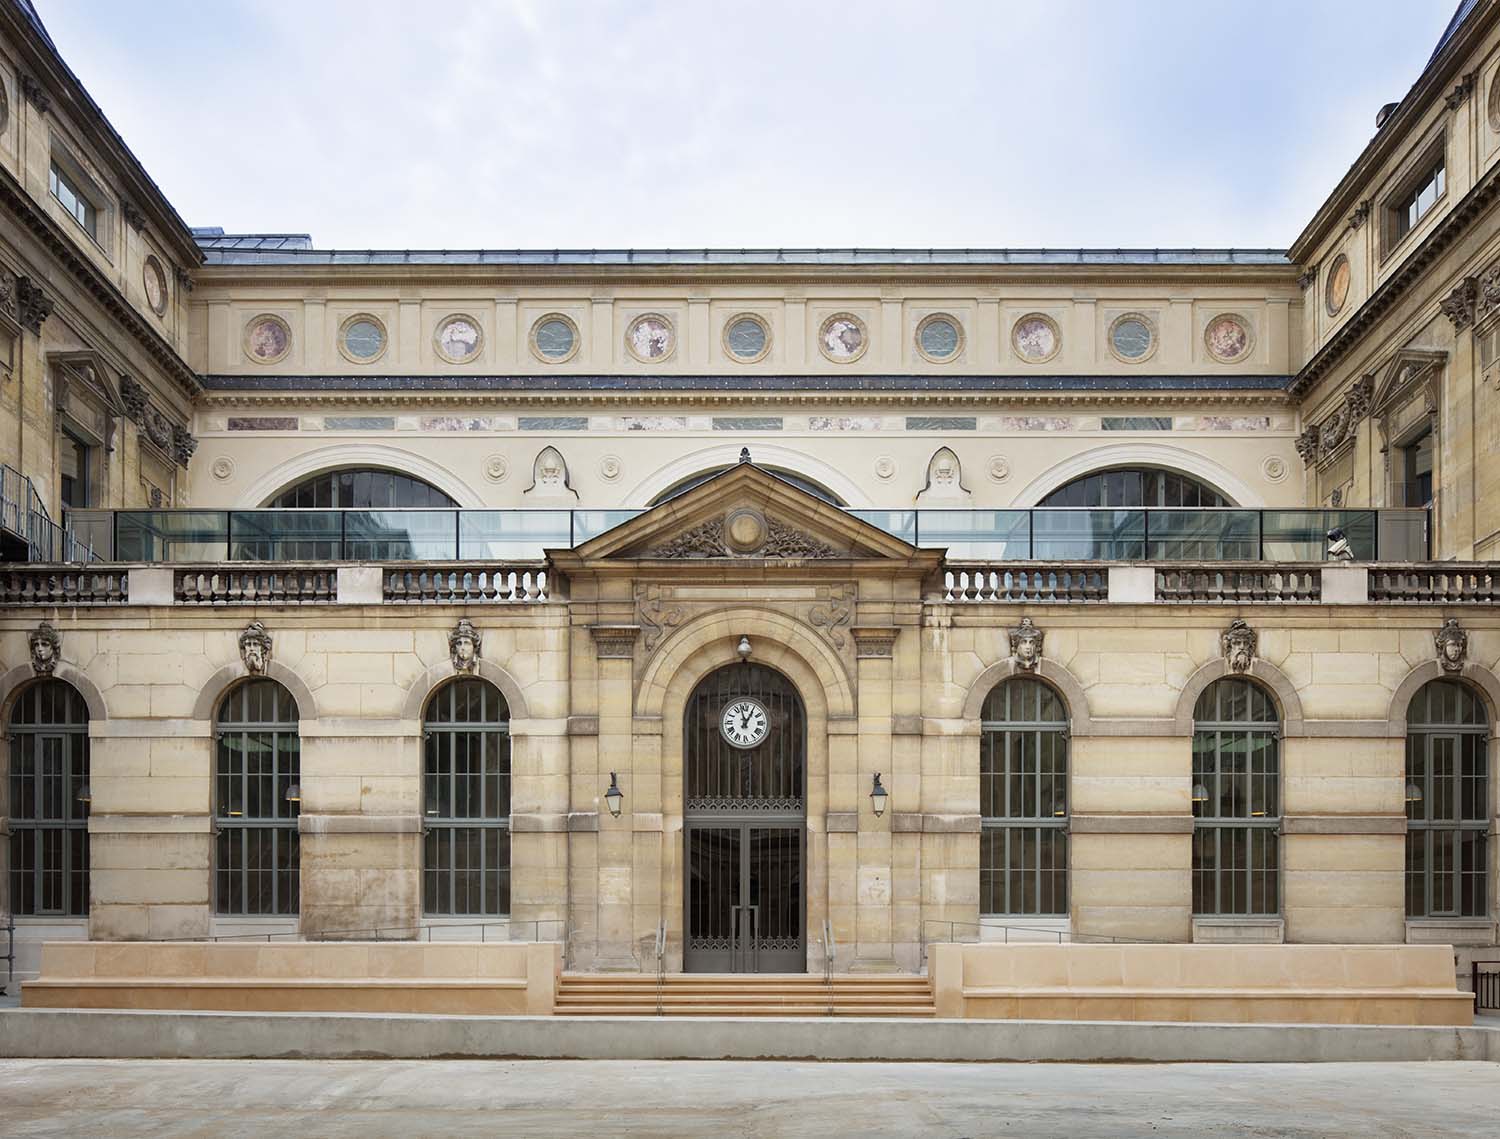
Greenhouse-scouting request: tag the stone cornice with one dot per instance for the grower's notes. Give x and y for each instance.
(18, 204)
(1411, 272)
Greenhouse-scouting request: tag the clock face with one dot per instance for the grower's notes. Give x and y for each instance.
(744, 722)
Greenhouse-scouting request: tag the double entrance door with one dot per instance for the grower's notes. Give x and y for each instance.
(744, 824)
(744, 896)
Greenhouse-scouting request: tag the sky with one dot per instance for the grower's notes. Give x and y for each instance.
(607, 123)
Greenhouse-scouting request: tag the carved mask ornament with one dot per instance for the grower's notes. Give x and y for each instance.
(255, 648)
(1026, 644)
(463, 647)
(1239, 643)
(46, 646)
(1452, 645)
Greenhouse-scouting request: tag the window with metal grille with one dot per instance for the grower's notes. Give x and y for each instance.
(49, 801)
(1447, 802)
(257, 796)
(466, 801)
(1023, 796)
(1236, 801)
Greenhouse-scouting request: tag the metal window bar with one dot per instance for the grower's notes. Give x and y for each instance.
(1447, 828)
(1237, 827)
(466, 801)
(257, 848)
(49, 768)
(1024, 802)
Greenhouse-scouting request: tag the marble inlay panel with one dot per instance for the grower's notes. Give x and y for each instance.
(941, 423)
(461, 423)
(747, 423)
(1035, 423)
(1234, 423)
(843, 423)
(1136, 423)
(554, 423)
(263, 423)
(653, 422)
(359, 423)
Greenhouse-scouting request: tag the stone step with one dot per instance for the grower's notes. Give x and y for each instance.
(808, 1010)
(739, 994)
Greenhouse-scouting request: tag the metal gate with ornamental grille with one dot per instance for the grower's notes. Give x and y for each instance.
(745, 823)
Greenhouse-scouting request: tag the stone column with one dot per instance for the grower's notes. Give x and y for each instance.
(614, 645)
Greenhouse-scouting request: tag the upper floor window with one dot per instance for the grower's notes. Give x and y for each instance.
(66, 190)
(1412, 207)
(361, 490)
(1133, 488)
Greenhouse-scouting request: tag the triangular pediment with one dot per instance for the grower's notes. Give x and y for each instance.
(1404, 373)
(745, 514)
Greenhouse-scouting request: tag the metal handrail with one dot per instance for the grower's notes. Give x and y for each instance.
(661, 963)
(1485, 984)
(10, 954)
(830, 952)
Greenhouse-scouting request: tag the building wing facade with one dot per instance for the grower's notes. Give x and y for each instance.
(767, 604)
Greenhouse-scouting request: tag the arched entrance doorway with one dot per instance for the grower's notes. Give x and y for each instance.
(744, 742)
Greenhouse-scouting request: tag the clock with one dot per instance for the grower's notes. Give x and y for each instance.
(744, 722)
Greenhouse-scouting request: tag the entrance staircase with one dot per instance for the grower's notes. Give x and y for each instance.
(743, 994)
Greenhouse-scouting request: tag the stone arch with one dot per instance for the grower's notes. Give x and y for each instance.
(206, 707)
(1140, 453)
(14, 680)
(398, 459)
(1481, 679)
(415, 700)
(709, 640)
(1066, 684)
(1288, 703)
(763, 454)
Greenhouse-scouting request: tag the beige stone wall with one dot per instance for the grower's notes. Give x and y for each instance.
(1128, 673)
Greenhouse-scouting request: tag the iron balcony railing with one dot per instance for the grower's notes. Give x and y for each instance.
(1055, 535)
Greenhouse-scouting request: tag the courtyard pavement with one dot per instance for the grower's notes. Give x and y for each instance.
(368, 1098)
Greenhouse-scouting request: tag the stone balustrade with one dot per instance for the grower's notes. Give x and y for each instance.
(962, 583)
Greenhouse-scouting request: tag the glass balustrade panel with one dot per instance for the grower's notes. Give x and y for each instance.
(284, 536)
(1203, 535)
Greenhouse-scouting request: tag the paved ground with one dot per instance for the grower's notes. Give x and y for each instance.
(368, 1098)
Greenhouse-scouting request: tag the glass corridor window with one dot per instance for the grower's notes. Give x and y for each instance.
(1236, 801)
(257, 797)
(1023, 796)
(466, 801)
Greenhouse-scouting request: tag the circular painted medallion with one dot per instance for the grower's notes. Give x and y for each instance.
(1227, 339)
(362, 339)
(650, 338)
(744, 722)
(458, 339)
(939, 339)
(154, 278)
(843, 338)
(1035, 338)
(267, 339)
(1336, 292)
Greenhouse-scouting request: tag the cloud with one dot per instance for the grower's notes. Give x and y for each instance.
(552, 123)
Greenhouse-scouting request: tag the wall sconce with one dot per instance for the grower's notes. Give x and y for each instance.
(294, 793)
(1413, 792)
(878, 797)
(614, 796)
(743, 648)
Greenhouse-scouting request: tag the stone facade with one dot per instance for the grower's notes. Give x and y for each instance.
(511, 387)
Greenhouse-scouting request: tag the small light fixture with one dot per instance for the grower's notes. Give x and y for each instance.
(1200, 793)
(294, 793)
(85, 794)
(614, 796)
(1413, 792)
(1338, 546)
(743, 648)
(878, 796)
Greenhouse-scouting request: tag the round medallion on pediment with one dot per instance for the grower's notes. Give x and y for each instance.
(745, 530)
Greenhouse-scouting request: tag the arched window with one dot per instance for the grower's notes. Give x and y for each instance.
(1023, 796)
(466, 800)
(817, 490)
(361, 489)
(49, 801)
(1447, 802)
(257, 796)
(1133, 488)
(1236, 800)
